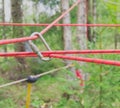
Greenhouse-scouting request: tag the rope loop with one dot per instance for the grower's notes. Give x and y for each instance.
(35, 48)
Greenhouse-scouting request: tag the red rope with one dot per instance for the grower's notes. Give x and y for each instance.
(91, 60)
(80, 77)
(31, 24)
(9, 41)
(53, 54)
(47, 53)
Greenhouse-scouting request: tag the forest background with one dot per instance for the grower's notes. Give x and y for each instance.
(61, 89)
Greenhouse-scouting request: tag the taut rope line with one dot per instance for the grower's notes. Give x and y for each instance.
(37, 24)
(9, 41)
(36, 76)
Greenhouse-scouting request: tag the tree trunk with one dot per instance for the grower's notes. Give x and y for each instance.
(92, 14)
(67, 30)
(3, 20)
(89, 11)
(94, 19)
(82, 31)
(117, 34)
(16, 13)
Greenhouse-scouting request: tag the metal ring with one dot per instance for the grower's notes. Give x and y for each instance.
(35, 49)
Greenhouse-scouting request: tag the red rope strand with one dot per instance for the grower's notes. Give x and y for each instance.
(32, 24)
(46, 53)
(90, 60)
(53, 54)
(9, 41)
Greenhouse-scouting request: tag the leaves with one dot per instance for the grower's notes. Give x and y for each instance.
(50, 3)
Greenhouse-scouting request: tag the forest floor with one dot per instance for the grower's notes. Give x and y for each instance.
(53, 91)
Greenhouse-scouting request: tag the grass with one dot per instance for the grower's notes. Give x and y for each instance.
(48, 89)
(56, 91)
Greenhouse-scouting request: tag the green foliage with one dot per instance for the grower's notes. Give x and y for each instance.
(43, 66)
(103, 85)
(8, 103)
(50, 3)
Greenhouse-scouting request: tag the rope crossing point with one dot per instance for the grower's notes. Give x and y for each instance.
(55, 54)
(32, 79)
(16, 40)
(98, 61)
(45, 53)
(59, 55)
(35, 76)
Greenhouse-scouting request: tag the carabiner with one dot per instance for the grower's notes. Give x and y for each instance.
(35, 49)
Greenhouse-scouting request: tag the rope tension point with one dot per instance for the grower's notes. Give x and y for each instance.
(31, 79)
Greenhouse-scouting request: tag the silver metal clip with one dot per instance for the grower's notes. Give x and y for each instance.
(35, 48)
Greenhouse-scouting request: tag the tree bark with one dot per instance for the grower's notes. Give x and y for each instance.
(3, 20)
(94, 19)
(117, 34)
(16, 13)
(67, 30)
(92, 14)
(82, 31)
(89, 36)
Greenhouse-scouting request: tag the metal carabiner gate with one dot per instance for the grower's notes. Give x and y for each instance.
(34, 47)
